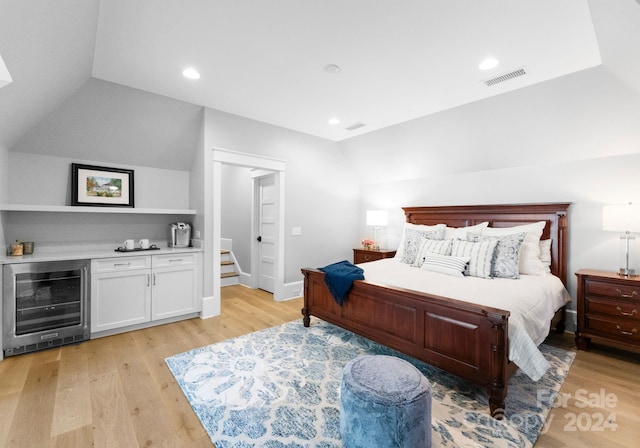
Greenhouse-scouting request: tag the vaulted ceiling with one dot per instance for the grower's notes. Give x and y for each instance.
(266, 60)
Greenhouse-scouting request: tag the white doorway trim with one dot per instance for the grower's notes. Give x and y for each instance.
(278, 167)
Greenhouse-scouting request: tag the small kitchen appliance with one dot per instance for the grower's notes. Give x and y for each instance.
(179, 234)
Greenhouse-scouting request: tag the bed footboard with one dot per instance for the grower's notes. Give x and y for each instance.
(465, 339)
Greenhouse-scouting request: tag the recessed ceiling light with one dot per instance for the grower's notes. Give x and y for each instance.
(191, 73)
(488, 64)
(334, 121)
(331, 68)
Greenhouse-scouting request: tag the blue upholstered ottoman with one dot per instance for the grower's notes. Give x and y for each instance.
(384, 402)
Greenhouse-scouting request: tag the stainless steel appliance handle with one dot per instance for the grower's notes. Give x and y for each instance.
(85, 299)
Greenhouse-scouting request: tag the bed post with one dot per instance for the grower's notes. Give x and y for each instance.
(497, 387)
(562, 246)
(306, 320)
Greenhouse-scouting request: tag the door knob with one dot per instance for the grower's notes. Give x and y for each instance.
(259, 239)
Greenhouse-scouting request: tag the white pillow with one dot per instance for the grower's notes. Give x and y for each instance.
(440, 247)
(480, 254)
(461, 232)
(545, 254)
(530, 250)
(445, 264)
(411, 228)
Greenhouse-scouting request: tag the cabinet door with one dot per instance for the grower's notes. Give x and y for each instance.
(174, 292)
(119, 299)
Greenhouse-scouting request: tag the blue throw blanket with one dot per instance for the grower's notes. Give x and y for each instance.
(339, 277)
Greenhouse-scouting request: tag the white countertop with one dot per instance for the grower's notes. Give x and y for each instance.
(87, 252)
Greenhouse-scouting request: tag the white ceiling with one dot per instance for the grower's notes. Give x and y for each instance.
(399, 59)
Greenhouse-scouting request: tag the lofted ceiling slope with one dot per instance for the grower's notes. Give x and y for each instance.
(48, 48)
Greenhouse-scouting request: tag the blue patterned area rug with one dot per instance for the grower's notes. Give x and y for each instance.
(280, 388)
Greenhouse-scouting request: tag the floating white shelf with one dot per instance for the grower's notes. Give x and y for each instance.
(70, 209)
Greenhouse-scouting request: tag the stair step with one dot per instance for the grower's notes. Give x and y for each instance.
(224, 251)
(226, 262)
(229, 274)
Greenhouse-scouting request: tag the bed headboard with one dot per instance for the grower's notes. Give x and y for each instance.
(554, 214)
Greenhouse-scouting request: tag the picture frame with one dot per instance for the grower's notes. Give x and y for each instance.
(101, 186)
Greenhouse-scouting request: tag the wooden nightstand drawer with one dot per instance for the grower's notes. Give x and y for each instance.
(622, 330)
(612, 307)
(364, 256)
(612, 289)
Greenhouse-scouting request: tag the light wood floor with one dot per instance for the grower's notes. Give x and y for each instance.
(117, 391)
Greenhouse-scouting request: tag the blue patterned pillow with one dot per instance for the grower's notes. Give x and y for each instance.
(480, 254)
(507, 256)
(413, 240)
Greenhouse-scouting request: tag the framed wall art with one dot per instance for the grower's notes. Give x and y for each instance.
(101, 186)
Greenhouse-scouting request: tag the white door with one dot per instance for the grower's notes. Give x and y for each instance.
(267, 215)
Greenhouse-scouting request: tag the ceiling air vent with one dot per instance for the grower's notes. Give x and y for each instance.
(355, 126)
(505, 77)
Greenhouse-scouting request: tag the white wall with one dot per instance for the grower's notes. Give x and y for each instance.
(45, 180)
(197, 184)
(4, 173)
(38, 179)
(321, 195)
(4, 187)
(589, 246)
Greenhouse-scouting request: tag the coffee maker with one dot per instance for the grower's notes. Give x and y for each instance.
(179, 234)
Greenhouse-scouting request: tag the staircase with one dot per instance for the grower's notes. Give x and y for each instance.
(228, 274)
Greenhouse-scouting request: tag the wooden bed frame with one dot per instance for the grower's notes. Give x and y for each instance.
(465, 339)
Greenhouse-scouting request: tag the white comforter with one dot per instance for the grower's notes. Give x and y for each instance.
(532, 301)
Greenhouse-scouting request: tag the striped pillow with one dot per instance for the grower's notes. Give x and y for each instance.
(441, 247)
(445, 264)
(480, 254)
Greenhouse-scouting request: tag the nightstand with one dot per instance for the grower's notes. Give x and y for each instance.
(608, 309)
(363, 255)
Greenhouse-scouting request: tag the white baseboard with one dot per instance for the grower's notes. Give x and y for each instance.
(210, 307)
(572, 321)
(292, 290)
(246, 280)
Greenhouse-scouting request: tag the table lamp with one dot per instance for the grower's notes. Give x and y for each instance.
(377, 218)
(626, 219)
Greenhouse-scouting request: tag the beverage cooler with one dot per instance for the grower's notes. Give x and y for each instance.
(45, 305)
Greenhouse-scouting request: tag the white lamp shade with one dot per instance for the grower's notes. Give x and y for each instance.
(377, 217)
(621, 218)
(5, 77)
